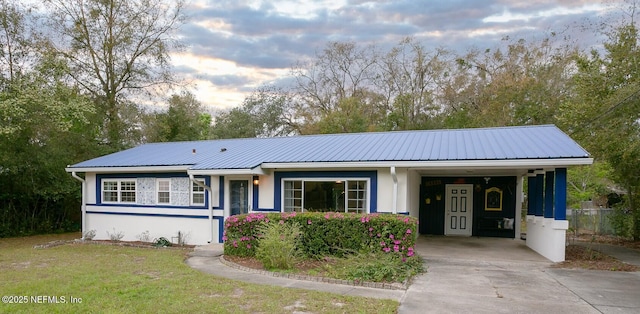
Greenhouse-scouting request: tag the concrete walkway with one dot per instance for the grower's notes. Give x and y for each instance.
(474, 275)
(207, 259)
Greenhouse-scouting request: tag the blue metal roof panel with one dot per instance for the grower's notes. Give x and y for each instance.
(525, 142)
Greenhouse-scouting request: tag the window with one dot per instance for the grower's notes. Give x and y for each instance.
(197, 193)
(357, 197)
(164, 191)
(119, 191)
(293, 196)
(110, 191)
(325, 195)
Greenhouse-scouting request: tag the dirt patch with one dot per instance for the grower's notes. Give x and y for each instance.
(606, 239)
(307, 266)
(585, 258)
(138, 244)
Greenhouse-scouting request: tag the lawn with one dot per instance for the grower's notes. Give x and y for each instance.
(114, 279)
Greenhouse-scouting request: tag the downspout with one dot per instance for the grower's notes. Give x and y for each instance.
(394, 206)
(83, 207)
(208, 188)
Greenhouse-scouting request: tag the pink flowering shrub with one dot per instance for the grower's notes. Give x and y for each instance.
(329, 234)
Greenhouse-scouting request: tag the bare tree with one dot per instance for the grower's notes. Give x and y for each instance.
(116, 49)
(410, 79)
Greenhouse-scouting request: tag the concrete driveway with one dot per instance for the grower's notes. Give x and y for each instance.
(494, 275)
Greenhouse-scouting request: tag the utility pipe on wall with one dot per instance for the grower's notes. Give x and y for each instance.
(394, 205)
(83, 207)
(208, 188)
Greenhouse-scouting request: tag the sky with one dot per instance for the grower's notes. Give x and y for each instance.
(234, 47)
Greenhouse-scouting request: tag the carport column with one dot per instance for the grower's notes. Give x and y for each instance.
(546, 235)
(519, 201)
(539, 193)
(561, 194)
(548, 195)
(531, 192)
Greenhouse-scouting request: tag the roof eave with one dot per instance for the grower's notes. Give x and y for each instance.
(131, 169)
(441, 164)
(236, 171)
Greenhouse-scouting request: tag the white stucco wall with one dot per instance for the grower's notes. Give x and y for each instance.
(385, 188)
(195, 230)
(265, 192)
(547, 236)
(90, 181)
(413, 193)
(215, 187)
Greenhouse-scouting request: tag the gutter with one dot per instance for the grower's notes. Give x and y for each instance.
(84, 202)
(208, 188)
(394, 205)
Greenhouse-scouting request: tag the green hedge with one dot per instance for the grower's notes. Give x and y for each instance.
(328, 234)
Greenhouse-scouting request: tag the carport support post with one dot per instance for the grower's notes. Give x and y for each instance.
(547, 235)
(548, 195)
(531, 194)
(561, 194)
(539, 193)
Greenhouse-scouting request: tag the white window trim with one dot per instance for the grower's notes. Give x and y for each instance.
(192, 193)
(158, 191)
(119, 191)
(326, 179)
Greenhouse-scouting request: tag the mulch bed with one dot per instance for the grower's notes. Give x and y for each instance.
(303, 267)
(585, 258)
(629, 243)
(138, 244)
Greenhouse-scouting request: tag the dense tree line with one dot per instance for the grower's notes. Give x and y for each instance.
(80, 95)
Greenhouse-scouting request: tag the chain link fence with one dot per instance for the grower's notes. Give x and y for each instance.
(591, 221)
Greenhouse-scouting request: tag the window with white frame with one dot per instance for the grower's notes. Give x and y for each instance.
(293, 196)
(119, 191)
(349, 195)
(164, 191)
(357, 196)
(197, 193)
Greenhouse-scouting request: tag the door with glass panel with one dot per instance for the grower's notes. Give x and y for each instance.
(239, 190)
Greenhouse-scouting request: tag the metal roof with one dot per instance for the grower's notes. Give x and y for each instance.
(503, 143)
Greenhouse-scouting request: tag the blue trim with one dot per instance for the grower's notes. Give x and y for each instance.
(539, 194)
(531, 195)
(150, 215)
(561, 194)
(220, 229)
(220, 193)
(548, 194)
(100, 177)
(372, 175)
(146, 206)
(255, 189)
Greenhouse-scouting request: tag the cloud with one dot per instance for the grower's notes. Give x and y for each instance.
(239, 45)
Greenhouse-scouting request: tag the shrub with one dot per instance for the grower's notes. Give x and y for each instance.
(327, 234)
(161, 242)
(622, 221)
(144, 236)
(378, 267)
(278, 244)
(116, 235)
(89, 235)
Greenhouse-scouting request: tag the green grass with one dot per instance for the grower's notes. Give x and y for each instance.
(115, 279)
